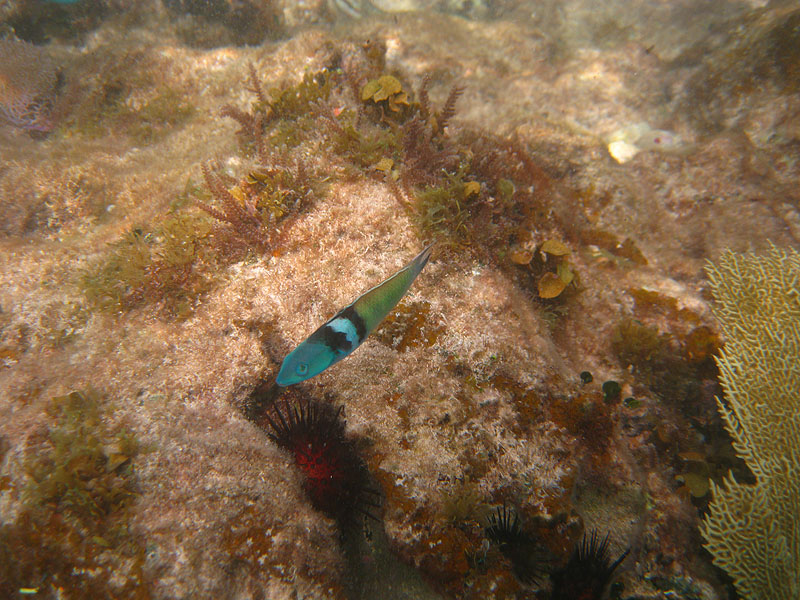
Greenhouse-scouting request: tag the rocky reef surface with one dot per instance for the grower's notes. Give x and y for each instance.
(218, 185)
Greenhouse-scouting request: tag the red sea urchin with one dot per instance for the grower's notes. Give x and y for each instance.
(588, 571)
(336, 478)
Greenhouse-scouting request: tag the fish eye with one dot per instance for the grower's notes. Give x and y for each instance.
(302, 369)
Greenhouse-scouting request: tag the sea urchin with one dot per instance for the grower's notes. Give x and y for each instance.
(336, 478)
(587, 572)
(528, 560)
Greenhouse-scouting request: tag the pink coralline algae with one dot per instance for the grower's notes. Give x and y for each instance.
(29, 86)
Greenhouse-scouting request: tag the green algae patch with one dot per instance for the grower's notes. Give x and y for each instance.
(364, 147)
(72, 531)
(295, 101)
(168, 265)
(82, 470)
(639, 345)
(468, 189)
(126, 97)
(288, 111)
(167, 110)
(445, 209)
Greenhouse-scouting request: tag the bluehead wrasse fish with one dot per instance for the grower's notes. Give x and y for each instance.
(345, 331)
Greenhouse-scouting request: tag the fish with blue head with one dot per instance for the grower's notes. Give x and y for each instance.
(345, 331)
(30, 85)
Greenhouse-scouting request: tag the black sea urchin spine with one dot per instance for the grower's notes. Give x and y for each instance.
(503, 528)
(588, 571)
(528, 560)
(336, 478)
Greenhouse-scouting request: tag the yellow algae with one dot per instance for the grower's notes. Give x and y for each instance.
(551, 285)
(555, 248)
(380, 89)
(471, 187)
(521, 256)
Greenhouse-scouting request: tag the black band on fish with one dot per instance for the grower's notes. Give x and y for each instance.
(356, 319)
(335, 340)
